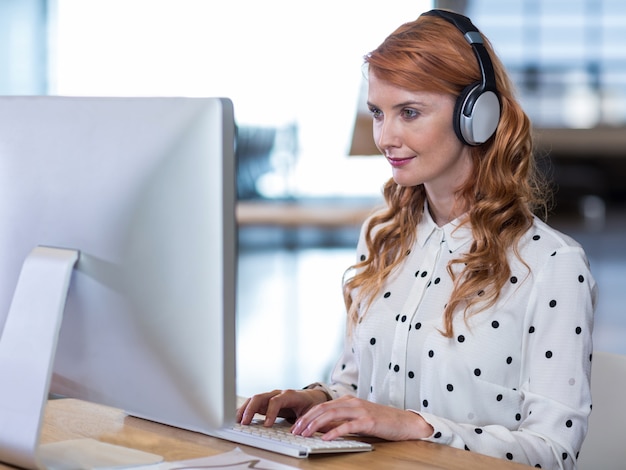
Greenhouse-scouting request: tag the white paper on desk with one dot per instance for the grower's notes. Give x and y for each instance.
(233, 460)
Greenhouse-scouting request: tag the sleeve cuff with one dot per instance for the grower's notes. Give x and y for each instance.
(320, 386)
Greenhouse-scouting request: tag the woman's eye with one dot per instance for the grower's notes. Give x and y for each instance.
(375, 112)
(409, 113)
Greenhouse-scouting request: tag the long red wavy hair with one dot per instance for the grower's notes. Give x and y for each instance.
(503, 192)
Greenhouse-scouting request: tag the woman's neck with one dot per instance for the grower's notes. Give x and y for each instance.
(445, 211)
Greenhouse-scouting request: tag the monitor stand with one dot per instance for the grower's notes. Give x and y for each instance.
(27, 349)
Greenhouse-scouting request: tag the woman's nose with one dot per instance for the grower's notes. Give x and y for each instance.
(386, 135)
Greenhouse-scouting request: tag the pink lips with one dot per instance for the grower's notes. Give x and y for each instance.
(398, 162)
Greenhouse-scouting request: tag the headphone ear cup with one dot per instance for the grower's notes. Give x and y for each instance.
(476, 115)
(459, 107)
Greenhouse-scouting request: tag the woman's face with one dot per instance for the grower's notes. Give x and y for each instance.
(414, 131)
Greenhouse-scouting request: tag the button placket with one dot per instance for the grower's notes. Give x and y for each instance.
(398, 359)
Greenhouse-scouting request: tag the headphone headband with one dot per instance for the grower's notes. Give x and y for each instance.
(478, 106)
(474, 39)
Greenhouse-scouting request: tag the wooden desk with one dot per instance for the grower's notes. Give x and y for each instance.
(70, 419)
(301, 214)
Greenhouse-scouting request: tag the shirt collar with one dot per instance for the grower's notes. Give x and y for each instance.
(455, 233)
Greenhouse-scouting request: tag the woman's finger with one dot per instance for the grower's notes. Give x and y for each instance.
(254, 405)
(327, 416)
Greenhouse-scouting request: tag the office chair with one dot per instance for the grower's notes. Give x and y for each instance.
(605, 445)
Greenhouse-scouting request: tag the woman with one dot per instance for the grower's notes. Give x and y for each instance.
(470, 319)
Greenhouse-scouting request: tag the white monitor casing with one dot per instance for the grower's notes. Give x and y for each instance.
(143, 190)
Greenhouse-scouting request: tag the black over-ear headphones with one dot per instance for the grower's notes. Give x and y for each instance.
(477, 109)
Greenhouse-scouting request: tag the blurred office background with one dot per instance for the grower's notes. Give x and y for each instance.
(306, 175)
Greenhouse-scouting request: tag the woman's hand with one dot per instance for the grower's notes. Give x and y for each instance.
(290, 404)
(349, 415)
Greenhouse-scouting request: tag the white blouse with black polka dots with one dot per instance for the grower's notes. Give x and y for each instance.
(514, 381)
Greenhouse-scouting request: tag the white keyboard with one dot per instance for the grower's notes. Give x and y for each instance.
(279, 439)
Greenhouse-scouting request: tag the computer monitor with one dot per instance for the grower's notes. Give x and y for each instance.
(131, 203)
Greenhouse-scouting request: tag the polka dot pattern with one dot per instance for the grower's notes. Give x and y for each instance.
(508, 365)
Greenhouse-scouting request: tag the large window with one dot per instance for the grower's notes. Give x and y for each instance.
(286, 64)
(568, 57)
(22, 47)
